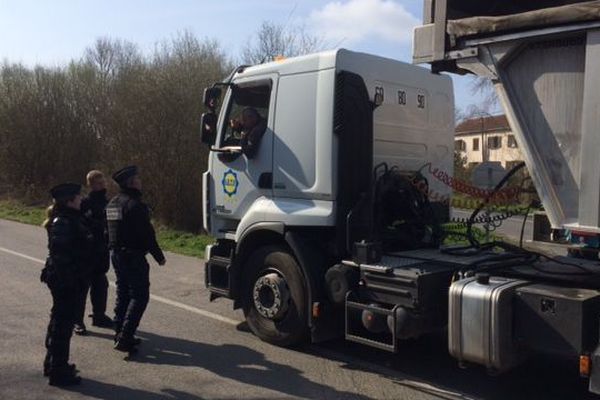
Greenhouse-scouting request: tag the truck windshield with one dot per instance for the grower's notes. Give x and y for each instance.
(249, 105)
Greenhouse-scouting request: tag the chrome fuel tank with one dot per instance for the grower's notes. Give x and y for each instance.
(480, 319)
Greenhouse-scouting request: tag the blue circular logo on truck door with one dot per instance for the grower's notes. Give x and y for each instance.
(230, 183)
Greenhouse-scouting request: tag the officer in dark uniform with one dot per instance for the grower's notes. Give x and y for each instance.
(131, 237)
(69, 244)
(93, 208)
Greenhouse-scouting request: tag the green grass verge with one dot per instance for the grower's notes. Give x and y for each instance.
(465, 202)
(186, 243)
(15, 211)
(457, 234)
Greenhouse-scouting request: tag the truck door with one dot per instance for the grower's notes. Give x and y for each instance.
(238, 178)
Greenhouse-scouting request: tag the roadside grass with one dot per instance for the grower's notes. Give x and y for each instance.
(457, 235)
(465, 202)
(180, 242)
(15, 211)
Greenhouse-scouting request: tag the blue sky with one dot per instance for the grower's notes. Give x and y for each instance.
(53, 32)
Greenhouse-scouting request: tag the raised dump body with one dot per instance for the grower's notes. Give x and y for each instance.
(543, 58)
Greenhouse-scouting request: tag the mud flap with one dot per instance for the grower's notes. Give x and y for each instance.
(325, 327)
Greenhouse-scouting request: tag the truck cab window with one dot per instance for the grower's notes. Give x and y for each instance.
(247, 115)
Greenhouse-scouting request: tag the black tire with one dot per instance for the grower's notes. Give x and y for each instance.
(291, 328)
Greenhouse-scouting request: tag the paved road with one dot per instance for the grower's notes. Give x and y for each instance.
(194, 349)
(510, 227)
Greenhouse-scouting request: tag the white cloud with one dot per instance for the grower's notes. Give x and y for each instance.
(344, 22)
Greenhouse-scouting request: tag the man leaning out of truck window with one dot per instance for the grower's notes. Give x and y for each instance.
(251, 127)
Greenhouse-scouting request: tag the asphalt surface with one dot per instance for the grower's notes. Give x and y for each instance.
(194, 349)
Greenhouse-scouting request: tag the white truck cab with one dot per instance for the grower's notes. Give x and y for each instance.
(293, 179)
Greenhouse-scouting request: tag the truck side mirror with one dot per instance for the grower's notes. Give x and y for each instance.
(211, 97)
(209, 128)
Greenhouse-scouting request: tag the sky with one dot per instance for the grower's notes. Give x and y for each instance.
(53, 32)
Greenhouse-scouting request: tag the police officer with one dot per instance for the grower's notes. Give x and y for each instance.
(93, 208)
(131, 237)
(69, 244)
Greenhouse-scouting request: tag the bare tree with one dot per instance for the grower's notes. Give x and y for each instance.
(273, 40)
(114, 106)
(459, 115)
(108, 55)
(482, 85)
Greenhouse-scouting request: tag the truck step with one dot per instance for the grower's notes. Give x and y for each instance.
(370, 325)
(218, 279)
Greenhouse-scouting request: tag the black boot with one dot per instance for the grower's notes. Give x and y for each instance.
(125, 344)
(63, 376)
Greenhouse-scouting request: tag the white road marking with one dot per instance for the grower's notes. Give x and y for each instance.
(160, 299)
(14, 253)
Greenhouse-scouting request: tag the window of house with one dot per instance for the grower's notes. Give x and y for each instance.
(460, 145)
(512, 142)
(476, 144)
(255, 95)
(494, 142)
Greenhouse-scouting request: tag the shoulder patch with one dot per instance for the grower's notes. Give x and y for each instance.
(114, 214)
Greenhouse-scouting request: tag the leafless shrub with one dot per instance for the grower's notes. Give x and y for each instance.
(113, 107)
(483, 86)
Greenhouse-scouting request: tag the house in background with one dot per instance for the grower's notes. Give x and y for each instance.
(487, 138)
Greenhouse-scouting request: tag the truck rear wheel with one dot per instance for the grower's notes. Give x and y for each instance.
(274, 297)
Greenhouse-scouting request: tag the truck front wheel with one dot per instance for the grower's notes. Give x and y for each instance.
(274, 297)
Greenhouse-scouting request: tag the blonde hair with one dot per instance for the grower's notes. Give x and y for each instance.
(50, 213)
(93, 175)
(52, 210)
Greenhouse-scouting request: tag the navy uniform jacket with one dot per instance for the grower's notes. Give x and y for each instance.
(70, 249)
(129, 224)
(93, 208)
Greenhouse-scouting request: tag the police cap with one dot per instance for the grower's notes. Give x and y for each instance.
(122, 175)
(65, 190)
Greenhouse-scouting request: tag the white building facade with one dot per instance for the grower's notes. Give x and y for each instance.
(487, 138)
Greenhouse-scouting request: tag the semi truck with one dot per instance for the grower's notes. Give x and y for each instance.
(329, 178)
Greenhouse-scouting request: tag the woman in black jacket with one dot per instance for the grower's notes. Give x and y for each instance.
(69, 245)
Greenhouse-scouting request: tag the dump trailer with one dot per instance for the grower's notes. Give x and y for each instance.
(329, 178)
(543, 58)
